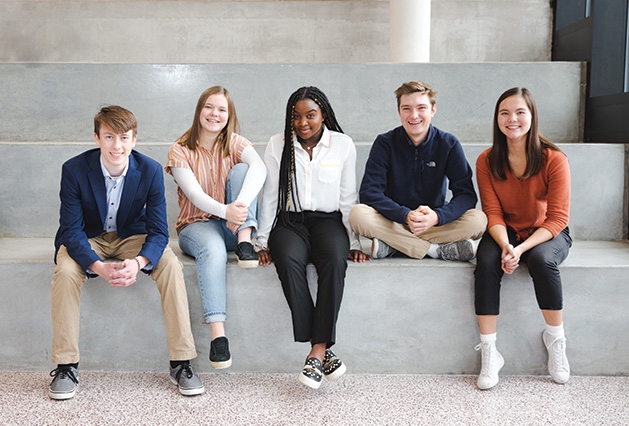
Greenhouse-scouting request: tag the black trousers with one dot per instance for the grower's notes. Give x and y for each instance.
(543, 264)
(328, 248)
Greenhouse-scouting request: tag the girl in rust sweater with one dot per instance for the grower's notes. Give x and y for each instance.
(524, 185)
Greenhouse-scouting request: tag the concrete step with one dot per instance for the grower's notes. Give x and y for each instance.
(398, 316)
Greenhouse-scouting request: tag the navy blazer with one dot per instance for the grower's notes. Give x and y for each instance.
(84, 206)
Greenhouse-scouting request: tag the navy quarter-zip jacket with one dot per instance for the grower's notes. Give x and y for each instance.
(399, 177)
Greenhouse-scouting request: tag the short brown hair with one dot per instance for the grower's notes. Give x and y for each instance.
(117, 118)
(416, 86)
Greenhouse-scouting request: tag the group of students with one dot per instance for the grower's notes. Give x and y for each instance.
(113, 206)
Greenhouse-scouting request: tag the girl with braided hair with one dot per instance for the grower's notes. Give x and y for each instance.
(309, 191)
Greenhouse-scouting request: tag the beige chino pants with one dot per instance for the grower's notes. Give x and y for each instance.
(366, 221)
(67, 283)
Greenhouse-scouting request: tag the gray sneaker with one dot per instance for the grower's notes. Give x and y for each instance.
(380, 249)
(460, 250)
(64, 383)
(188, 382)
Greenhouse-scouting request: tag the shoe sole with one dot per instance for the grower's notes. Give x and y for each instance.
(336, 374)
(309, 382)
(484, 388)
(560, 381)
(187, 392)
(61, 396)
(247, 263)
(219, 365)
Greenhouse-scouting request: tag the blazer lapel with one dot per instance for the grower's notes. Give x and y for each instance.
(97, 183)
(131, 182)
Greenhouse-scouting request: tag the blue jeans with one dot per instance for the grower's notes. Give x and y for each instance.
(208, 242)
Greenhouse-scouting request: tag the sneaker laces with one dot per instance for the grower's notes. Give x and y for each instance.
(558, 347)
(187, 371)
(488, 358)
(62, 373)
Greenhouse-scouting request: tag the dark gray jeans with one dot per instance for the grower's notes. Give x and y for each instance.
(543, 264)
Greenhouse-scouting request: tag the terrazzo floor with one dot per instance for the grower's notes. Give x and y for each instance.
(127, 398)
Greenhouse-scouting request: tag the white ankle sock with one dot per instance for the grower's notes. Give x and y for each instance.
(555, 330)
(488, 338)
(433, 251)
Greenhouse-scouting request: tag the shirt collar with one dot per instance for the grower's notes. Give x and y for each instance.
(325, 137)
(429, 136)
(106, 172)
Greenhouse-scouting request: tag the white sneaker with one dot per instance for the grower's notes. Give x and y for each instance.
(380, 250)
(558, 366)
(491, 363)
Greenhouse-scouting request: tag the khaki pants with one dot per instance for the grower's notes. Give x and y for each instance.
(67, 282)
(366, 221)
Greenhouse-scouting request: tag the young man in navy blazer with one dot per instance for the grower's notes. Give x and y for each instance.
(113, 207)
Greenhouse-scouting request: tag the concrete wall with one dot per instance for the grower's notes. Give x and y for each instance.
(47, 111)
(57, 102)
(262, 31)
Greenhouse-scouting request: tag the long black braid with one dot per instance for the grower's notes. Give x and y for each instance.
(287, 189)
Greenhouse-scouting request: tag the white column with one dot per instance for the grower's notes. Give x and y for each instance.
(409, 30)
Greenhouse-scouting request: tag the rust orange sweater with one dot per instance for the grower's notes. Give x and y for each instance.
(526, 204)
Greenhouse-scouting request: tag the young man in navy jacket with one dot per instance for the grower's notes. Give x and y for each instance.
(113, 207)
(403, 192)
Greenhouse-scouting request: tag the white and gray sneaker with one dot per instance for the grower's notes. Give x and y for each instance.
(187, 381)
(491, 363)
(558, 366)
(380, 249)
(64, 383)
(459, 250)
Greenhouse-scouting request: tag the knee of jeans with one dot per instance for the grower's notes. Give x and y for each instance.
(538, 261)
(487, 257)
(238, 172)
(239, 168)
(211, 256)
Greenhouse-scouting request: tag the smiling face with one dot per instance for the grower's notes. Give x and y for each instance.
(308, 121)
(514, 118)
(214, 114)
(115, 149)
(416, 112)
